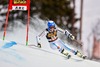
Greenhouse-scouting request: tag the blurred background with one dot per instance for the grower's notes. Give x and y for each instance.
(80, 17)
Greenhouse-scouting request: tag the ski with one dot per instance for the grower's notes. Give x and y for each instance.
(33, 45)
(80, 55)
(65, 56)
(68, 57)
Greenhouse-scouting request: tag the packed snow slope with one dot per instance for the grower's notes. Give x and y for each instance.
(23, 56)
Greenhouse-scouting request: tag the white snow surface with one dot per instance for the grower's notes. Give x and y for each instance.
(24, 56)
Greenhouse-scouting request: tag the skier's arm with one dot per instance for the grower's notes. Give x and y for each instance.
(67, 33)
(38, 38)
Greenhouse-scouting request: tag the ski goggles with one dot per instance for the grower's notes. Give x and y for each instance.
(52, 27)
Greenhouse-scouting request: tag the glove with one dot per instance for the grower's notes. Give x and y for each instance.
(67, 33)
(71, 37)
(39, 45)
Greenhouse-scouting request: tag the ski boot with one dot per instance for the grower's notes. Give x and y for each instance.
(39, 45)
(80, 55)
(66, 53)
(84, 57)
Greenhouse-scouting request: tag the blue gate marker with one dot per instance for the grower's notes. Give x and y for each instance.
(9, 44)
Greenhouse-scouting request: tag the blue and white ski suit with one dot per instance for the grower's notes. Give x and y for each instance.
(55, 42)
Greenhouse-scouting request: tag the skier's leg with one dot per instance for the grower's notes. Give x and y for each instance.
(79, 54)
(61, 50)
(75, 52)
(67, 47)
(54, 46)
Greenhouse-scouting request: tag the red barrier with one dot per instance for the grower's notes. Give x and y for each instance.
(18, 5)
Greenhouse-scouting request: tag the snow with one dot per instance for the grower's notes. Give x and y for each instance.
(24, 56)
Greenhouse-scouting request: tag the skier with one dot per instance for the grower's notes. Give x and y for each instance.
(57, 43)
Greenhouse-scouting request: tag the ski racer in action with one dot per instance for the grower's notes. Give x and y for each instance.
(57, 43)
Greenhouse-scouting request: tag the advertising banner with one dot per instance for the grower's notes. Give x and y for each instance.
(19, 4)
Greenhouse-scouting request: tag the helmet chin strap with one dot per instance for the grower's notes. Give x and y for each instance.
(51, 30)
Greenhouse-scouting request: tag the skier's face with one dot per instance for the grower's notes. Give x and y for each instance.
(52, 29)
